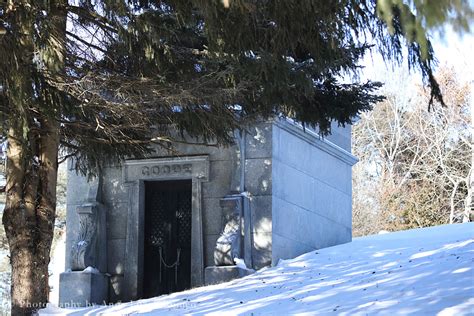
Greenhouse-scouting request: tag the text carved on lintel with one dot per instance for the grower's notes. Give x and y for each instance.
(166, 169)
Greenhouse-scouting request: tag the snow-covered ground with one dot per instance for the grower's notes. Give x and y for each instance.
(424, 271)
(56, 267)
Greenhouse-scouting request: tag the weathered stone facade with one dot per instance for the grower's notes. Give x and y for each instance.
(278, 192)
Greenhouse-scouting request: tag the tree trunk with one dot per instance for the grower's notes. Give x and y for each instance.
(469, 202)
(452, 204)
(28, 221)
(32, 154)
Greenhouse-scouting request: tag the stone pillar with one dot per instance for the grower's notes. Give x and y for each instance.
(87, 282)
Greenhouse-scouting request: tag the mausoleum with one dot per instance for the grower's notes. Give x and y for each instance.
(205, 214)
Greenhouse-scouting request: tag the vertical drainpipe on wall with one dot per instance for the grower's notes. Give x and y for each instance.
(242, 136)
(247, 247)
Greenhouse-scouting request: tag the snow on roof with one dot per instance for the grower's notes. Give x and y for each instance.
(422, 271)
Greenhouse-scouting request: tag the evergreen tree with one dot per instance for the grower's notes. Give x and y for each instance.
(101, 80)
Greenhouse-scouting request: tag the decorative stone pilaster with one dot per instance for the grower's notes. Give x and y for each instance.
(234, 243)
(229, 243)
(89, 248)
(87, 283)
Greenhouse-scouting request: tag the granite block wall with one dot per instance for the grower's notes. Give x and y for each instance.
(258, 182)
(311, 186)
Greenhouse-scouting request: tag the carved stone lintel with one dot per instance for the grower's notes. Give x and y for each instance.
(229, 243)
(167, 168)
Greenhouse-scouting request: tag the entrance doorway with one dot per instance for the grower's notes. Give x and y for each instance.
(167, 238)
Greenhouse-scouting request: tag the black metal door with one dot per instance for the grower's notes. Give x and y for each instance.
(167, 264)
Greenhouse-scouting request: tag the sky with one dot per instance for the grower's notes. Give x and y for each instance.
(457, 51)
(451, 50)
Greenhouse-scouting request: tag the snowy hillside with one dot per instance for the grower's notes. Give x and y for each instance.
(424, 271)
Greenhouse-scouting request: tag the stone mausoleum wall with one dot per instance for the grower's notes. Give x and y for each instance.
(312, 189)
(224, 177)
(298, 187)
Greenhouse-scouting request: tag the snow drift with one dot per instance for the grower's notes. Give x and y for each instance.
(422, 271)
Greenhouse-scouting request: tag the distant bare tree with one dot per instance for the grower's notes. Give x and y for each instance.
(415, 165)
